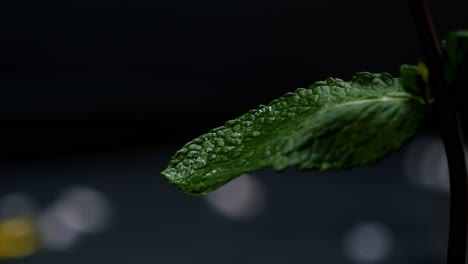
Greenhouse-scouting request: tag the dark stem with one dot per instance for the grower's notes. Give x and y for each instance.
(448, 122)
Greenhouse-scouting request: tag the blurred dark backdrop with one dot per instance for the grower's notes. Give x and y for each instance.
(89, 74)
(93, 85)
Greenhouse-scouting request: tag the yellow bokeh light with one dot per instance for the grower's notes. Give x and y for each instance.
(18, 238)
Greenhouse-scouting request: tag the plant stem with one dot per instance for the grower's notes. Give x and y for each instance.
(448, 122)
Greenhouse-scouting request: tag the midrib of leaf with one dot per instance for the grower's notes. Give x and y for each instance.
(402, 97)
(371, 101)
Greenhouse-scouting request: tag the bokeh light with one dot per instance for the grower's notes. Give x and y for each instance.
(425, 164)
(16, 205)
(79, 210)
(368, 242)
(84, 209)
(18, 238)
(241, 199)
(54, 233)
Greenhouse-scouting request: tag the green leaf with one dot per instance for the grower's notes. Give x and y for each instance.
(456, 50)
(331, 125)
(410, 78)
(415, 79)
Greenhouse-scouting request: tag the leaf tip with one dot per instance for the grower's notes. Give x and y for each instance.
(183, 183)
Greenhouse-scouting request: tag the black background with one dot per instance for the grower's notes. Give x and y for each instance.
(85, 75)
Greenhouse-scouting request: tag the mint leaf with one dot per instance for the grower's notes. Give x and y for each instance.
(331, 125)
